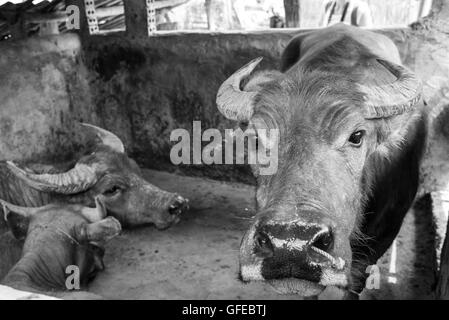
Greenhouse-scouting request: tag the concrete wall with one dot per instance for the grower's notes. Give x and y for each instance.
(145, 88)
(43, 88)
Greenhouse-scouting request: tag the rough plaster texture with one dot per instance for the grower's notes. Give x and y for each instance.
(43, 89)
(156, 85)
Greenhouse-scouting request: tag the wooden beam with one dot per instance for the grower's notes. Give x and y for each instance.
(136, 18)
(91, 15)
(292, 13)
(228, 13)
(207, 5)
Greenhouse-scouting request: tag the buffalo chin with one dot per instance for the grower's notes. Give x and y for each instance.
(296, 286)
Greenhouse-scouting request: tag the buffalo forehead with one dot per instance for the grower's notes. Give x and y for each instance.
(108, 160)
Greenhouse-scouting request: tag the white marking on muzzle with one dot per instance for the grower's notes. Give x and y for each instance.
(289, 244)
(252, 272)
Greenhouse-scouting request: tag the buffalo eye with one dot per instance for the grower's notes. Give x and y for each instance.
(356, 138)
(112, 191)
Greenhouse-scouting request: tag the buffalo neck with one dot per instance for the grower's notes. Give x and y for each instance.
(32, 274)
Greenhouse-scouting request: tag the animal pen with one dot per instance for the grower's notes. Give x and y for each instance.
(97, 90)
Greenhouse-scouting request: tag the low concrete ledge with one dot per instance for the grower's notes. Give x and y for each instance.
(8, 293)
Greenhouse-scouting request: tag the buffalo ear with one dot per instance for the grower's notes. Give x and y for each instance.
(95, 214)
(99, 231)
(18, 225)
(16, 220)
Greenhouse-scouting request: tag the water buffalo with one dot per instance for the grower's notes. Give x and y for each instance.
(352, 130)
(58, 236)
(106, 172)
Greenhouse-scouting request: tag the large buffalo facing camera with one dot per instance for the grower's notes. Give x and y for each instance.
(352, 131)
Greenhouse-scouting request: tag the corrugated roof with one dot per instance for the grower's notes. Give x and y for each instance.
(11, 13)
(14, 11)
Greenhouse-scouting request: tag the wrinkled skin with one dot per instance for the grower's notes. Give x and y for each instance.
(126, 194)
(129, 197)
(56, 237)
(335, 203)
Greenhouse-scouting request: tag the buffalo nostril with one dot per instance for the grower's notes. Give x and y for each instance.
(263, 246)
(179, 206)
(323, 240)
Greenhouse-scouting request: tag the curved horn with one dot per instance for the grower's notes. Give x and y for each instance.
(107, 138)
(79, 178)
(94, 214)
(23, 211)
(394, 98)
(234, 103)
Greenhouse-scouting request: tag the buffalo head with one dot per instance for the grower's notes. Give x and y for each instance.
(108, 173)
(58, 236)
(338, 121)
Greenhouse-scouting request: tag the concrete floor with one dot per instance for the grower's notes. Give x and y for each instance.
(197, 259)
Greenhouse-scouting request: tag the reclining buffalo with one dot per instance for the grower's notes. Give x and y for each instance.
(352, 130)
(105, 172)
(56, 237)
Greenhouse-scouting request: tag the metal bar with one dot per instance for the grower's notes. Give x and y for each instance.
(91, 16)
(151, 17)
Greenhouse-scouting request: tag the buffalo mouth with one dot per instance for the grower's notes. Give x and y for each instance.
(295, 285)
(165, 225)
(171, 215)
(299, 287)
(179, 206)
